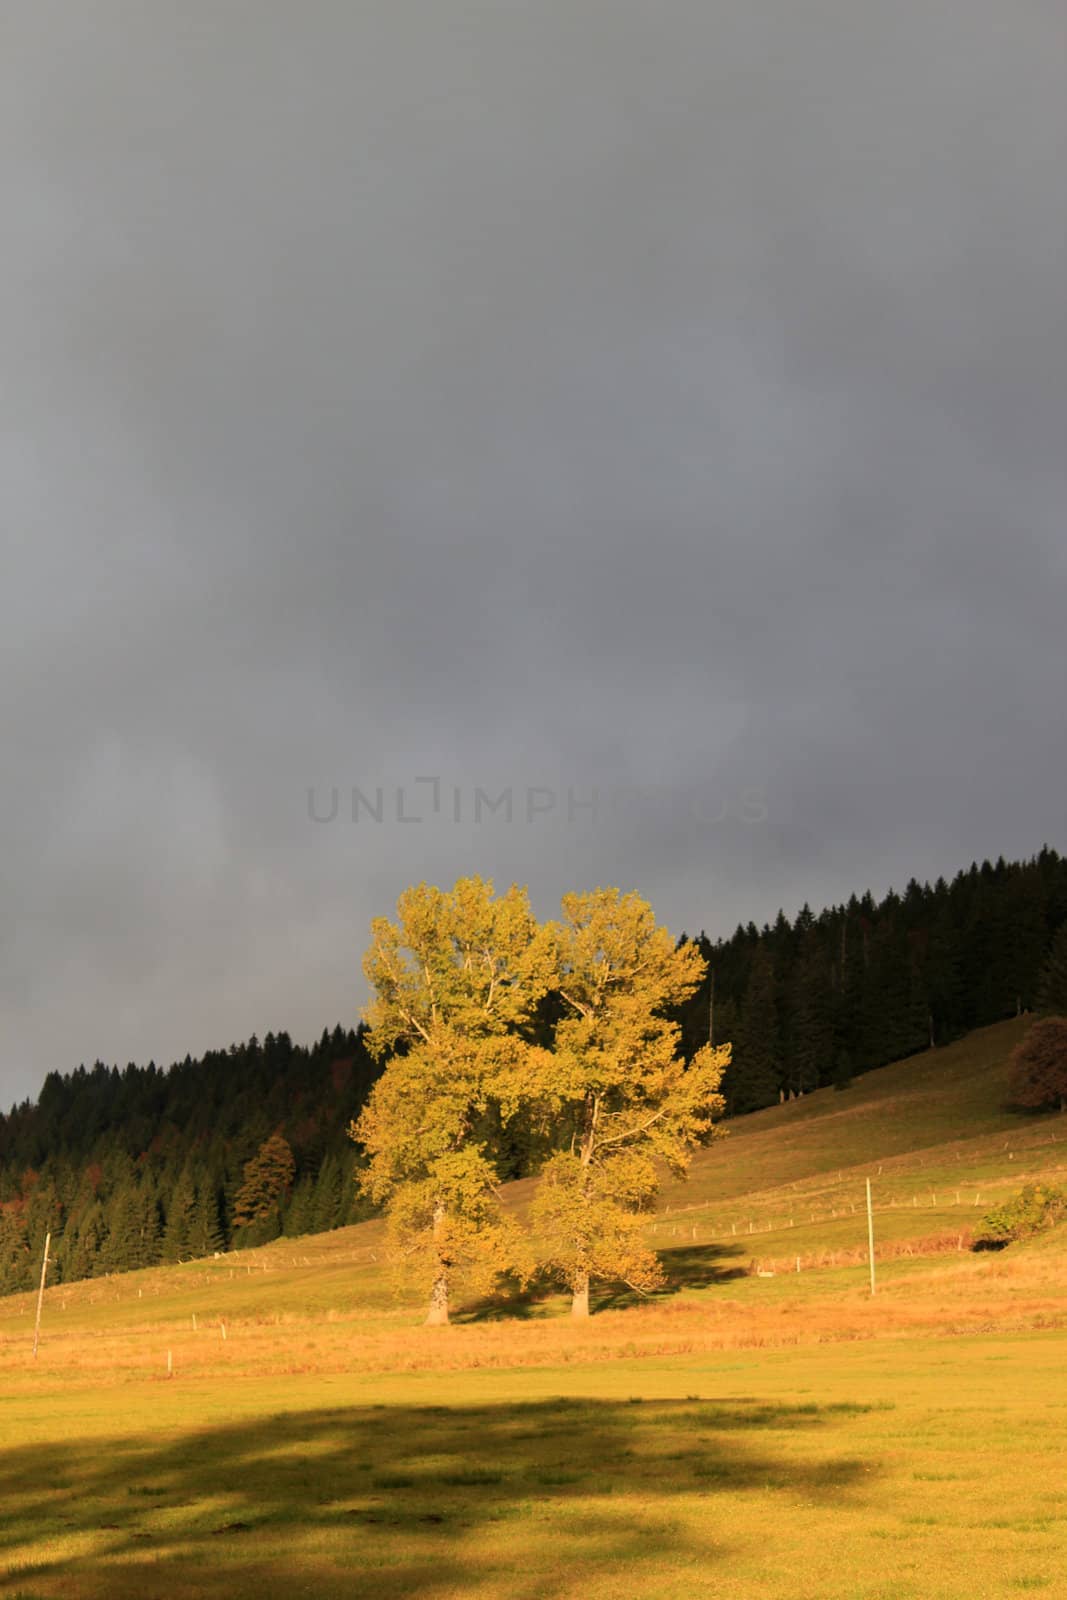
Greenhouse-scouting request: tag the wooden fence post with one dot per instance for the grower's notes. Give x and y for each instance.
(40, 1294)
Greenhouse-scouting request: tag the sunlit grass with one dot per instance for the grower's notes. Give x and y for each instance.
(745, 1435)
(790, 1473)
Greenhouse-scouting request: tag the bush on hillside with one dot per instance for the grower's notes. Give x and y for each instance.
(1037, 1077)
(1038, 1207)
(262, 1230)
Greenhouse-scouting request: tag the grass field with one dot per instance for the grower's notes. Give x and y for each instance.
(741, 1434)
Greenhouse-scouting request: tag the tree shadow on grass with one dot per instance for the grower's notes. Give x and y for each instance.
(512, 1302)
(394, 1501)
(686, 1267)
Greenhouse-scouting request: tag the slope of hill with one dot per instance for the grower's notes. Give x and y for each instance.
(785, 1185)
(129, 1168)
(940, 1150)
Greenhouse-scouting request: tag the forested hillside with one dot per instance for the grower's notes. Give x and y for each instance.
(128, 1168)
(134, 1166)
(811, 1002)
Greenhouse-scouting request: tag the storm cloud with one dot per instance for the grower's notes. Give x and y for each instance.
(661, 403)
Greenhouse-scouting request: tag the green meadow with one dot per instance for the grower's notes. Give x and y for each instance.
(755, 1431)
(927, 1468)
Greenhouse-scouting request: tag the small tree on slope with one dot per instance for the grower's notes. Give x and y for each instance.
(267, 1180)
(615, 1092)
(1037, 1078)
(456, 980)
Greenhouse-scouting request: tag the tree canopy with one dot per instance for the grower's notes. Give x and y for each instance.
(457, 980)
(618, 1097)
(1038, 1072)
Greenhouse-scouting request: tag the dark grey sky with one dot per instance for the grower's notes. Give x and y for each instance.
(668, 398)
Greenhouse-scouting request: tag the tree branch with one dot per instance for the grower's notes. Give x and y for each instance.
(631, 1133)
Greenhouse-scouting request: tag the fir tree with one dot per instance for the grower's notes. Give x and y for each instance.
(177, 1234)
(756, 1078)
(1052, 983)
(85, 1245)
(121, 1251)
(149, 1228)
(205, 1233)
(329, 1201)
(298, 1213)
(810, 1061)
(15, 1261)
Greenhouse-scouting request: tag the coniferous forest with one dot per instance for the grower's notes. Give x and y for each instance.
(131, 1167)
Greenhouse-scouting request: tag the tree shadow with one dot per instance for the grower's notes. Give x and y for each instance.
(685, 1267)
(398, 1501)
(513, 1301)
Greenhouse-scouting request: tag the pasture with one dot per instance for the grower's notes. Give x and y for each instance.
(743, 1435)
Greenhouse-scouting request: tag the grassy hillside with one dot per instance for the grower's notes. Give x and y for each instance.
(279, 1423)
(785, 1185)
(932, 1133)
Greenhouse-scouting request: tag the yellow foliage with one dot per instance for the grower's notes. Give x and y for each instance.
(617, 1097)
(456, 980)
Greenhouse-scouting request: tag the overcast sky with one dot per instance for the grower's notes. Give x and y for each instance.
(662, 399)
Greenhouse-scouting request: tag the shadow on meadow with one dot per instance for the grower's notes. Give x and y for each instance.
(397, 1500)
(687, 1267)
(698, 1266)
(514, 1302)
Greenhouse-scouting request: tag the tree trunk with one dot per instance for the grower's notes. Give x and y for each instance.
(438, 1312)
(580, 1284)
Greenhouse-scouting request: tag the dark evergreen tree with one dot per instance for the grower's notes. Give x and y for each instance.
(149, 1246)
(1052, 982)
(15, 1259)
(85, 1243)
(180, 1212)
(329, 1201)
(121, 1251)
(205, 1232)
(297, 1219)
(260, 1230)
(811, 1058)
(938, 957)
(754, 1079)
(853, 1030)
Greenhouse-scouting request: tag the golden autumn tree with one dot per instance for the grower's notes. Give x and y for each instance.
(267, 1181)
(618, 1099)
(456, 982)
